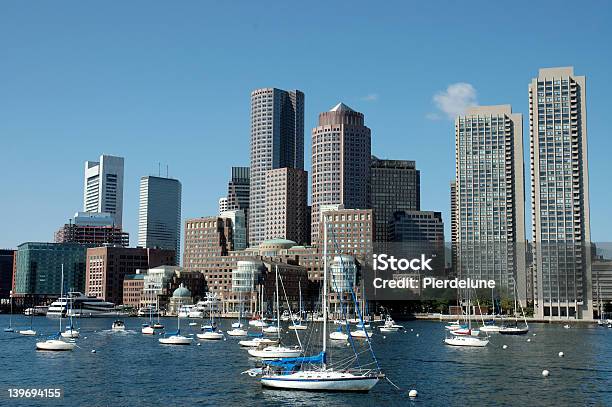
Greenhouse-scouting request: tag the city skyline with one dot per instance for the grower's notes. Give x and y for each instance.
(88, 135)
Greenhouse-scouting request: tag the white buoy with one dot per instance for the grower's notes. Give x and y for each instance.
(545, 373)
(348, 344)
(85, 338)
(534, 334)
(93, 351)
(411, 329)
(561, 354)
(505, 347)
(413, 393)
(384, 337)
(528, 340)
(199, 344)
(417, 335)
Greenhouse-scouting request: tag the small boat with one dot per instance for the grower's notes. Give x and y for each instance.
(237, 325)
(298, 327)
(276, 352)
(237, 332)
(158, 326)
(28, 332)
(55, 345)
(465, 331)
(54, 342)
(272, 329)
(390, 326)
(513, 330)
(566, 326)
(147, 329)
(260, 323)
(210, 334)
(257, 342)
(193, 323)
(490, 328)
(338, 335)
(360, 334)
(175, 339)
(327, 380)
(118, 325)
(466, 340)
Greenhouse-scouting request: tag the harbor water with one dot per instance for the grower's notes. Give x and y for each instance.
(131, 369)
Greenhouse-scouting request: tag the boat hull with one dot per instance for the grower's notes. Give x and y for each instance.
(513, 331)
(298, 327)
(28, 332)
(237, 332)
(55, 345)
(175, 340)
(275, 353)
(211, 336)
(348, 383)
(466, 341)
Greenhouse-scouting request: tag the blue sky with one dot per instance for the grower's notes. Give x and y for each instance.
(170, 82)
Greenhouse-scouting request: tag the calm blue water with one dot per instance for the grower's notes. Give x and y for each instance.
(129, 369)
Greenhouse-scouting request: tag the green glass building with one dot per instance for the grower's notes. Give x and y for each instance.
(39, 268)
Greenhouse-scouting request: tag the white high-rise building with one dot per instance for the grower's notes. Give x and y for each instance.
(103, 187)
(159, 215)
(560, 194)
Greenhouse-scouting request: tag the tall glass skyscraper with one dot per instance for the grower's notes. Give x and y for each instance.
(277, 141)
(560, 194)
(490, 198)
(159, 215)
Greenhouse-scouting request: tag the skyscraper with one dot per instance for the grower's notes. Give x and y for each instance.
(286, 204)
(277, 141)
(238, 189)
(560, 194)
(222, 204)
(341, 153)
(396, 186)
(103, 187)
(490, 203)
(159, 214)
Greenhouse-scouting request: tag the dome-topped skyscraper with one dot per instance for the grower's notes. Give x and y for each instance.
(341, 149)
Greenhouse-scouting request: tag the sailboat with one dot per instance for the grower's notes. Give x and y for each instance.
(54, 342)
(323, 377)
(210, 331)
(490, 326)
(460, 338)
(147, 329)
(70, 331)
(515, 329)
(298, 325)
(237, 326)
(10, 327)
(277, 351)
(158, 324)
(29, 332)
(175, 338)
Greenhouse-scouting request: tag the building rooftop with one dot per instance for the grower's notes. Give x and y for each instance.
(341, 107)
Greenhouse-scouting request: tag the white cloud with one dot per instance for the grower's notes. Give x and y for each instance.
(454, 100)
(372, 97)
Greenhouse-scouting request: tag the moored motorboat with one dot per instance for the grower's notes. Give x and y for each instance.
(55, 345)
(360, 334)
(28, 332)
(338, 335)
(118, 325)
(257, 342)
(147, 329)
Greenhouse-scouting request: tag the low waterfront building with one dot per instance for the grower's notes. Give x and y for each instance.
(160, 282)
(7, 260)
(601, 270)
(106, 267)
(133, 285)
(38, 269)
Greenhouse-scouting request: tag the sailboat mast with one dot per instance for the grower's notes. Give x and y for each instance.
(324, 289)
(61, 295)
(277, 306)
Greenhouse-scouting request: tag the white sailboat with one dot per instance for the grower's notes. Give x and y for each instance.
(31, 331)
(467, 338)
(147, 329)
(323, 377)
(515, 329)
(237, 326)
(175, 338)
(297, 323)
(54, 342)
(210, 332)
(70, 331)
(276, 351)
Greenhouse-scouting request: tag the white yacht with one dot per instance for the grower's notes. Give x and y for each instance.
(81, 306)
(276, 352)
